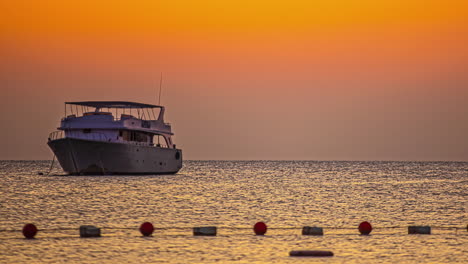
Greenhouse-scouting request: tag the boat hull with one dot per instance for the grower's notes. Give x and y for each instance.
(81, 157)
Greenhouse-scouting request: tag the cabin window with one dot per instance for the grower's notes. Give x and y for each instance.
(134, 136)
(126, 135)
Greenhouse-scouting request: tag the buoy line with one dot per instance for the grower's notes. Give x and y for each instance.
(260, 228)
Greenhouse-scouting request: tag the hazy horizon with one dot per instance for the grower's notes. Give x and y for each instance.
(408, 161)
(247, 80)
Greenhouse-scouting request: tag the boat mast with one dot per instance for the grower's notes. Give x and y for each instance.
(159, 99)
(160, 88)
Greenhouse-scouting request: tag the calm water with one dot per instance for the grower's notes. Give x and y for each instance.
(234, 195)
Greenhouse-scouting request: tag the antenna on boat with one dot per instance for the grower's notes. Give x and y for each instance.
(160, 88)
(159, 100)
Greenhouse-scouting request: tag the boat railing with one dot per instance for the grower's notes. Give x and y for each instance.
(56, 135)
(95, 136)
(114, 117)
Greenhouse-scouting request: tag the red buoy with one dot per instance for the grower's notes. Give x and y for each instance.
(29, 231)
(365, 228)
(260, 228)
(146, 229)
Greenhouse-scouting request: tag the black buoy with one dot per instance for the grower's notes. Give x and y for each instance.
(311, 253)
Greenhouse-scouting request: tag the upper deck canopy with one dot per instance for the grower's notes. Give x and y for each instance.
(113, 104)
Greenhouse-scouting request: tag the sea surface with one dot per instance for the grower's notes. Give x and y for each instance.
(233, 196)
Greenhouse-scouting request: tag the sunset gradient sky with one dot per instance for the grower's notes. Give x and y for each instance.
(309, 80)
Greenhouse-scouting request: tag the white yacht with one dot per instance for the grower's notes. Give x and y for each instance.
(115, 137)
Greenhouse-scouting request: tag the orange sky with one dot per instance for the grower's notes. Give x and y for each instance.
(312, 80)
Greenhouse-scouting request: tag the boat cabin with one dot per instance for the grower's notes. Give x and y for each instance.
(121, 122)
